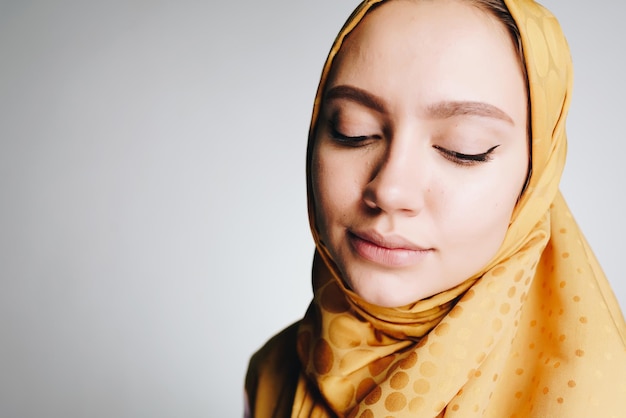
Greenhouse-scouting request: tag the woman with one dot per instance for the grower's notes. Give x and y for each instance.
(449, 277)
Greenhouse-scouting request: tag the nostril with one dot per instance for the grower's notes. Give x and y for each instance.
(393, 200)
(371, 203)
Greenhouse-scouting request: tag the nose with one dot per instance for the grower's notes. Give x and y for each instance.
(398, 182)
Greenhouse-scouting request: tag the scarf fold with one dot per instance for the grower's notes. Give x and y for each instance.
(537, 332)
(361, 365)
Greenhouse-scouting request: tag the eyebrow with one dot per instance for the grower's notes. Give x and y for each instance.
(356, 95)
(440, 110)
(448, 109)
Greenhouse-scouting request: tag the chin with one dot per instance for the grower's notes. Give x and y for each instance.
(387, 291)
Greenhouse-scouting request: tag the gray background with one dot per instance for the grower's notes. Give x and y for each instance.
(153, 228)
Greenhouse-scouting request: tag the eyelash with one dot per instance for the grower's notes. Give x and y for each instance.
(466, 159)
(353, 141)
(453, 156)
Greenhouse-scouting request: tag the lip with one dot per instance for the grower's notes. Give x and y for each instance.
(387, 250)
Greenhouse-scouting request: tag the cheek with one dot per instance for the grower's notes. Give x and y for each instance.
(331, 191)
(480, 211)
(337, 179)
(319, 191)
(498, 193)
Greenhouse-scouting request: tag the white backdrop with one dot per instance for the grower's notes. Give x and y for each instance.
(153, 227)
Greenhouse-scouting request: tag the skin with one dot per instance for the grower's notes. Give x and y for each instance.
(401, 214)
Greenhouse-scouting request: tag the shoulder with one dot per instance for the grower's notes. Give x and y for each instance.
(273, 372)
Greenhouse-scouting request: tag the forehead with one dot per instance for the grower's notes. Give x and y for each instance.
(447, 48)
(401, 25)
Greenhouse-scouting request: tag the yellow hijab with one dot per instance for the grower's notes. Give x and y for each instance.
(537, 333)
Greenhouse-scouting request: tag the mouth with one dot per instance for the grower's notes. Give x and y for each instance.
(387, 251)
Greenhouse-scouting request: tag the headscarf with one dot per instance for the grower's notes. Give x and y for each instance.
(537, 332)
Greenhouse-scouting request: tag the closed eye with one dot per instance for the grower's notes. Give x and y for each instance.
(466, 159)
(353, 141)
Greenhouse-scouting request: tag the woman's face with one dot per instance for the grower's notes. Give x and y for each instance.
(421, 149)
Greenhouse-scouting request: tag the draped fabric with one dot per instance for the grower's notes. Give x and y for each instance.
(536, 333)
